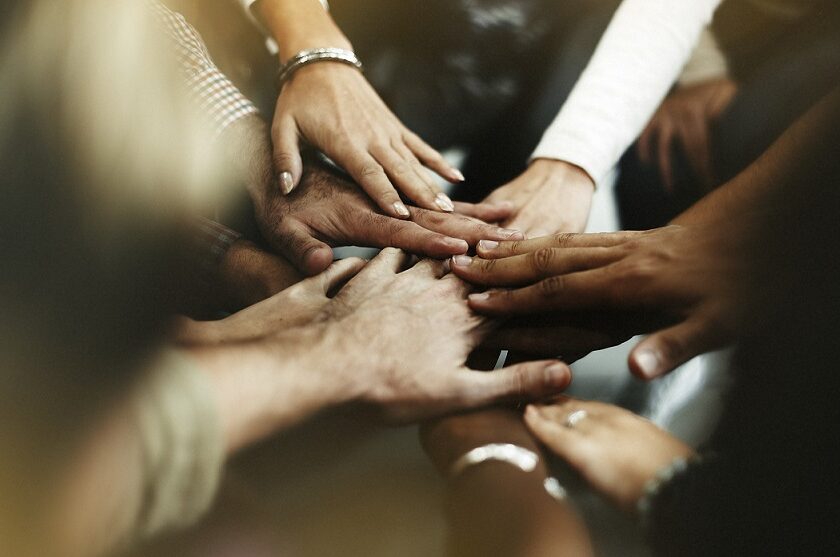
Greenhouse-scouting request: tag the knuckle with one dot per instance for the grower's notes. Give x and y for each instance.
(400, 169)
(551, 286)
(563, 239)
(542, 260)
(487, 265)
(371, 170)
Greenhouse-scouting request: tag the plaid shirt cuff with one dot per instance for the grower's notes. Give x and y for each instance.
(215, 94)
(212, 241)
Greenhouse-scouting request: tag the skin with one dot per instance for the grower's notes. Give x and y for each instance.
(690, 275)
(332, 107)
(686, 119)
(329, 210)
(550, 196)
(413, 368)
(495, 509)
(685, 275)
(616, 451)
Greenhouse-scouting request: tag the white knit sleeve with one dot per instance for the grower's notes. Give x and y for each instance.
(635, 64)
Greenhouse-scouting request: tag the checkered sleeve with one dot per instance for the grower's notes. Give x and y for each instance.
(211, 241)
(212, 91)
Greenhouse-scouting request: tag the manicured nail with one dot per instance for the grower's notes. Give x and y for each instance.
(480, 297)
(445, 204)
(488, 245)
(401, 209)
(457, 174)
(510, 233)
(648, 362)
(286, 183)
(462, 260)
(447, 266)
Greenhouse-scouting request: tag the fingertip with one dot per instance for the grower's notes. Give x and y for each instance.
(287, 183)
(557, 376)
(455, 246)
(318, 260)
(645, 363)
(400, 211)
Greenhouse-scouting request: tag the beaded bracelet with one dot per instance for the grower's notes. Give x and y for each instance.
(306, 57)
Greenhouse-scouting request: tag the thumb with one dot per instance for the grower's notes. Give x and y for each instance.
(287, 161)
(309, 255)
(527, 381)
(665, 350)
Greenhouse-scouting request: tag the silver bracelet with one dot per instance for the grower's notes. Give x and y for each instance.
(306, 57)
(655, 485)
(508, 453)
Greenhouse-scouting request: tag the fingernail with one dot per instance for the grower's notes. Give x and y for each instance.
(447, 266)
(445, 204)
(510, 233)
(286, 183)
(648, 362)
(460, 245)
(554, 373)
(480, 297)
(488, 245)
(531, 411)
(462, 260)
(457, 174)
(401, 209)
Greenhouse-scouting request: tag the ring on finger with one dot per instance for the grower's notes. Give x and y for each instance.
(575, 418)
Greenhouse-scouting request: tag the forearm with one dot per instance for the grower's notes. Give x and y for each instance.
(262, 388)
(789, 167)
(495, 508)
(298, 25)
(636, 63)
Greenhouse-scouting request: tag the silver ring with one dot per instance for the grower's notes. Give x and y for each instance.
(575, 418)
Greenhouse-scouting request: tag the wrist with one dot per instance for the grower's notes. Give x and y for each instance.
(300, 25)
(563, 173)
(268, 385)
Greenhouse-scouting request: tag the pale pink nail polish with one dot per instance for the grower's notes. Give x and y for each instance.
(445, 204)
(458, 175)
(286, 183)
(401, 209)
(488, 245)
(462, 260)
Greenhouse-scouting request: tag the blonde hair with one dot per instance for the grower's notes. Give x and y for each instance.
(101, 163)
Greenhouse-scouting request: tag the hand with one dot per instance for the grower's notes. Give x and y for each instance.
(248, 274)
(404, 338)
(686, 118)
(328, 210)
(550, 196)
(565, 336)
(333, 108)
(685, 276)
(296, 305)
(617, 451)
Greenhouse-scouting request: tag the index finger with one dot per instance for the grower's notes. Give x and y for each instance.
(497, 250)
(577, 291)
(371, 176)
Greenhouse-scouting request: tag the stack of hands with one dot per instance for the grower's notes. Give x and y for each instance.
(396, 336)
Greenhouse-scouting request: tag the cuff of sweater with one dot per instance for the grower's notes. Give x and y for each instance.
(182, 443)
(567, 148)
